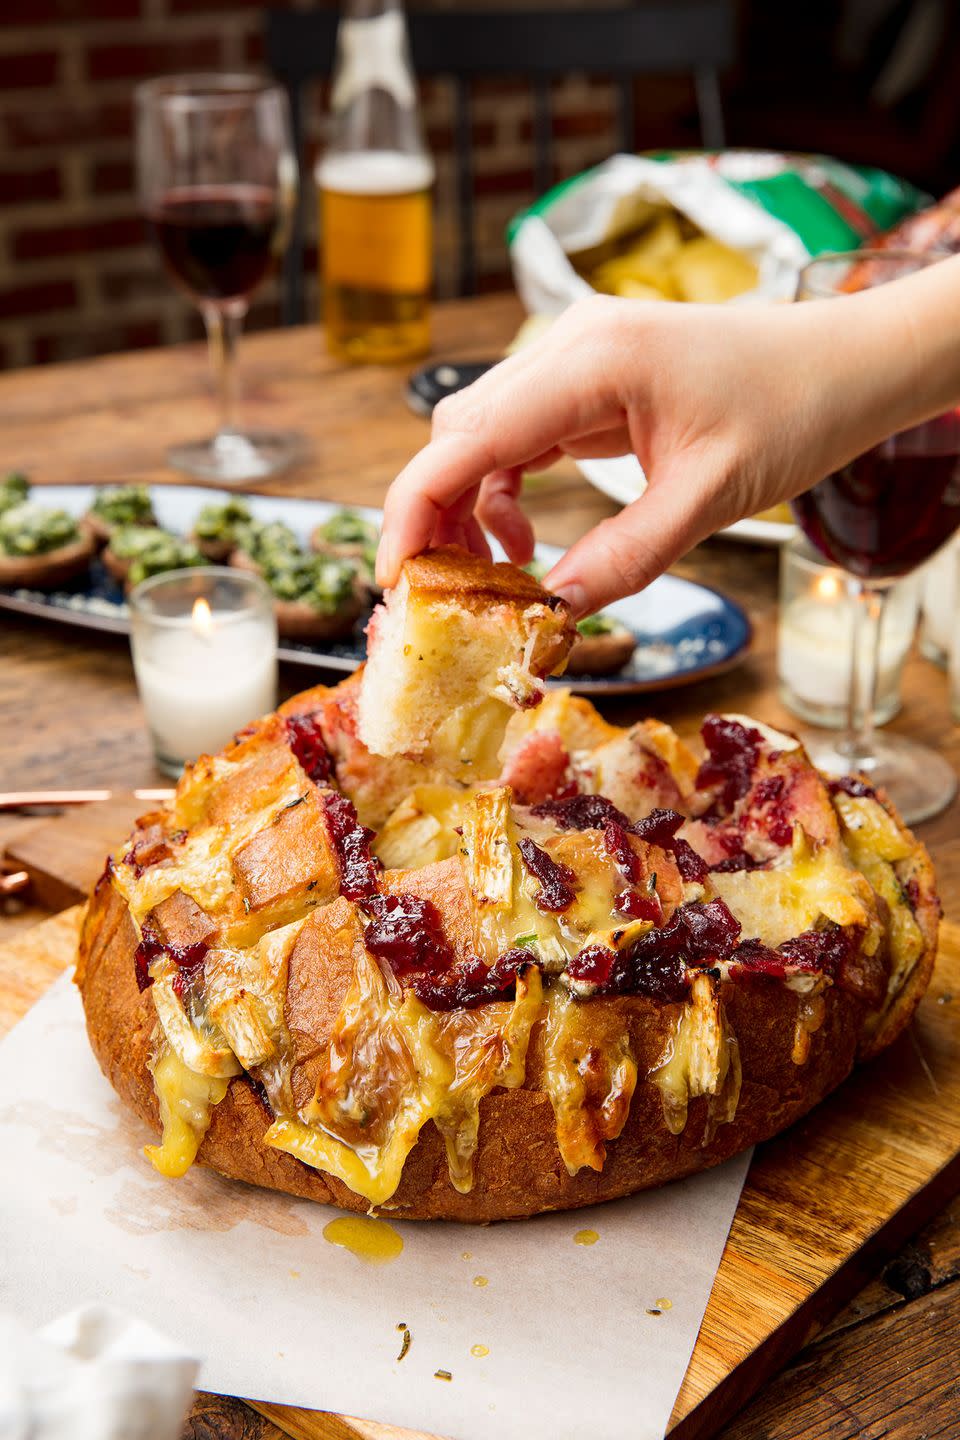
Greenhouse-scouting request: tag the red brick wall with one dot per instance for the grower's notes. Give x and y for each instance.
(76, 274)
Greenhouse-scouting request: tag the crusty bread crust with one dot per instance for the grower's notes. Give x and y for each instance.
(917, 875)
(451, 573)
(518, 1168)
(54, 568)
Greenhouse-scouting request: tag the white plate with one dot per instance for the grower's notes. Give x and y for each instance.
(684, 631)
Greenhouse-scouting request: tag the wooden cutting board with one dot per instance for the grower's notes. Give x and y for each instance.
(823, 1205)
(65, 854)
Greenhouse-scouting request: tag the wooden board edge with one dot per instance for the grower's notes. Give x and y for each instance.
(730, 1395)
(326, 1425)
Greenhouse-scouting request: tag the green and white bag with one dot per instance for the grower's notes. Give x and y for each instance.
(778, 210)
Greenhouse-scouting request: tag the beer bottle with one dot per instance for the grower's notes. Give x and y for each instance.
(375, 181)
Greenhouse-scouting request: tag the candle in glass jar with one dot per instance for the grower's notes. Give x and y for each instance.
(815, 641)
(206, 663)
(941, 602)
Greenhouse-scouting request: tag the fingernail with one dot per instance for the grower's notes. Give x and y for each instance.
(575, 596)
(386, 563)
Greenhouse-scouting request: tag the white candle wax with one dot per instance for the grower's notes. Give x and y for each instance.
(815, 646)
(941, 599)
(198, 689)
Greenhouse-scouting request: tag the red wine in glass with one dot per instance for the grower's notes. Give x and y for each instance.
(888, 510)
(218, 242)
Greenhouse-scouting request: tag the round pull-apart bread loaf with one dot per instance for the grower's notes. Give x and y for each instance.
(361, 981)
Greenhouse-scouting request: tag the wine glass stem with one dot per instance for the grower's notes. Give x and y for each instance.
(868, 605)
(223, 334)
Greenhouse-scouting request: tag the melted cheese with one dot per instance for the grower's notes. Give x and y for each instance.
(244, 993)
(200, 863)
(200, 1046)
(589, 1073)
(392, 1065)
(870, 831)
(814, 884)
(876, 843)
(703, 1058)
(186, 1106)
(422, 828)
(504, 894)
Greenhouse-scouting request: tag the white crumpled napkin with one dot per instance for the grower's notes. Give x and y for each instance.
(96, 1373)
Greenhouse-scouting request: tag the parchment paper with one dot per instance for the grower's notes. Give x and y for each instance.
(245, 1279)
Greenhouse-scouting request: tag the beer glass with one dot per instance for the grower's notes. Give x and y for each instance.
(375, 182)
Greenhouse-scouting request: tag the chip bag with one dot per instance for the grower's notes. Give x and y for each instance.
(697, 226)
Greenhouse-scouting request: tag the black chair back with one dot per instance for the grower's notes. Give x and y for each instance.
(672, 36)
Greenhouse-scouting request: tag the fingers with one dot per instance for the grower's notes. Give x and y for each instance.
(522, 410)
(497, 509)
(625, 553)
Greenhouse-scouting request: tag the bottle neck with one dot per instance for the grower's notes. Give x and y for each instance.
(369, 9)
(374, 94)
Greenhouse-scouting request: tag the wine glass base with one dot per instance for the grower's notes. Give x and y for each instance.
(918, 780)
(234, 456)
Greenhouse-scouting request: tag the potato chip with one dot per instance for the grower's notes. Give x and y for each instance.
(708, 272)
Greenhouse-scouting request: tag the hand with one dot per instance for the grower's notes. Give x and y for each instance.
(729, 409)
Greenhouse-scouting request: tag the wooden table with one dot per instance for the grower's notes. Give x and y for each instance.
(70, 716)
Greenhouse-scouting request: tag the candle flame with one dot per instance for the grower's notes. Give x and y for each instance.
(201, 618)
(827, 587)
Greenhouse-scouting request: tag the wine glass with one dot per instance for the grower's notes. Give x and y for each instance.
(217, 180)
(879, 517)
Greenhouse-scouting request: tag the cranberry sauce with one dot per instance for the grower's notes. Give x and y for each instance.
(188, 958)
(660, 828)
(556, 881)
(852, 785)
(471, 983)
(814, 952)
(732, 751)
(596, 812)
(582, 812)
(638, 905)
(407, 933)
(656, 963)
(359, 870)
(305, 739)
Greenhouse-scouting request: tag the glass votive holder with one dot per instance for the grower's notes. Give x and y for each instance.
(204, 645)
(815, 639)
(940, 602)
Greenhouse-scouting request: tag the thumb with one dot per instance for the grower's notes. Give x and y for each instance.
(622, 555)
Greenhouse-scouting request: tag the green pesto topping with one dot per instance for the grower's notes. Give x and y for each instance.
(268, 545)
(124, 505)
(222, 522)
(166, 552)
(348, 528)
(32, 529)
(129, 542)
(598, 625)
(14, 489)
(323, 584)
